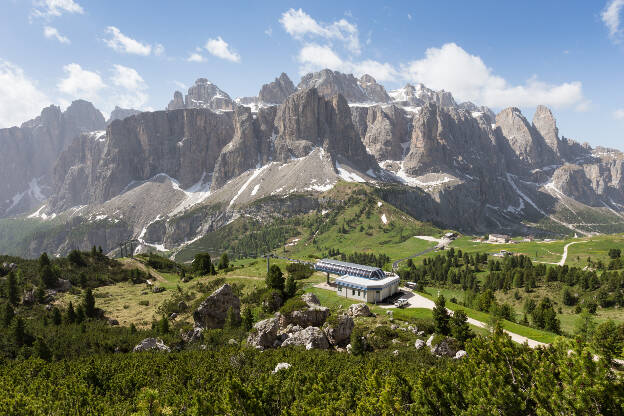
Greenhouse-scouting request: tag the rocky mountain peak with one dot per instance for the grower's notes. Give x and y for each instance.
(419, 95)
(546, 125)
(177, 102)
(120, 113)
(202, 94)
(375, 92)
(329, 83)
(277, 91)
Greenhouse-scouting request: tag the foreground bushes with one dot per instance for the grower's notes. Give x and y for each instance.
(496, 377)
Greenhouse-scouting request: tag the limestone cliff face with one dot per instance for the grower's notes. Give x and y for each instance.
(184, 144)
(572, 182)
(308, 119)
(375, 92)
(329, 83)
(202, 94)
(525, 141)
(30, 151)
(120, 113)
(385, 131)
(546, 125)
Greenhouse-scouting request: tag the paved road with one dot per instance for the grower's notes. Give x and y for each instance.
(395, 265)
(565, 252)
(417, 301)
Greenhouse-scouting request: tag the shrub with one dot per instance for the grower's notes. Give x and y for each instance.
(293, 304)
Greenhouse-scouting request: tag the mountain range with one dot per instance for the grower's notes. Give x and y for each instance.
(167, 178)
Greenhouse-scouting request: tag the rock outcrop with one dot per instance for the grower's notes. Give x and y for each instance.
(277, 91)
(151, 344)
(571, 181)
(264, 334)
(373, 91)
(120, 113)
(338, 332)
(330, 83)
(311, 338)
(359, 309)
(213, 312)
(202, 94)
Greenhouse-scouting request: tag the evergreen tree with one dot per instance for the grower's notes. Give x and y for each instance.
(93, 251)
(275, 278)
(163, 325)
(358, 344)
(202, 264)
(19, 331)
(460, 330)
(48, 277)
(291, 286)
(224, 262)
(12, 289)
(80, 314)
(42, 350)
(7, 315)
(247, 319)
(40, 295)
(89, 304)
(56, 316)
(70, 317)
(606, 340)
(441, 316)
(44, 260)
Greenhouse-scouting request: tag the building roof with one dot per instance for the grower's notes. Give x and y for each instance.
(342, 268)
(367, 284)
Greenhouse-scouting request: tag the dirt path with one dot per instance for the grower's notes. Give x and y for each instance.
(133, 263)
(565, 253)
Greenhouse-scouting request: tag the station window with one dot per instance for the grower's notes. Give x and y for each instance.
(358, 293)
(352, 292)
(339, 288)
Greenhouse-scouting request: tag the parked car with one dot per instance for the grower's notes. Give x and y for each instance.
(401, 303)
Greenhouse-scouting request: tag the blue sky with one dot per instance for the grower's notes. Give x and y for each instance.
(566, 54)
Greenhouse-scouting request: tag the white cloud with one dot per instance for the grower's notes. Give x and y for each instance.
(51, 32)
(122, 43)
(619, 114)
(127, 78)
(54, 8)
(313, 57)
(409, 16)
(468, 78)
(20, 99)
(611, 18)
(220, 48)
(131, 92)
(159, 49)
(80, 83)
(195, 57)
(302, 26)
(269, 31)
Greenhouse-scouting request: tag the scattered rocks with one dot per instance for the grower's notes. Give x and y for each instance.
(419, 344)
(173, 316)
(151, 344)
(232, 341)
(429, 341)
(311, 337)
(359, 309)
(213, 311)
(312, 316)
(113, 322)
(29, 297)
(281, 366)
(395, 352)
(193, 335)
(264, 334)
(339, 332)
(158, 289)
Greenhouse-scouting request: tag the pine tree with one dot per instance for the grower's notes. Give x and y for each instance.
(358, 345)
(224, 262)
(606, 340)
(291, 286)
(19, 332)
(70, 317)
(247, 319)
(42, 350)
(441, 316)
(163, 325)
(56, 316)
(12, 289)
(80, 314)
(275, 278)
(89, 304)
(48, 277)
(460, 330)
(7, 315)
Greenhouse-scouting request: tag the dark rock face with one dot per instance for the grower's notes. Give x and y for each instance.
(120, 113)
(310, 337)
(338, 333)
(375, 92)
(177, 103)
(212, 313)
(383, 130)
(29, 152)
(571, 181)
(264, 334)
(277, 91)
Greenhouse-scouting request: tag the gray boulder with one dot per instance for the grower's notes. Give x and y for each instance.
(359, 309)
(310, 299)
(311, 337)
(213, 311)
(339, 332)
(460, 354)
(264, 334)
(281, 366)
(151, 344)
(312, 316)
(419, 344)
(192, 335)
(445, 348)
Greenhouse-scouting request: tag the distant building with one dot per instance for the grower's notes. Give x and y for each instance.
(499, 238)
(356, 281)
(450, 236)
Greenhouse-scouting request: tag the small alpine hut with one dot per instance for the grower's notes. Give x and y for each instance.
(356, 281)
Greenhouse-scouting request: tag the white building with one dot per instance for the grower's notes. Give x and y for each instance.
(499, 238)
(356, 281)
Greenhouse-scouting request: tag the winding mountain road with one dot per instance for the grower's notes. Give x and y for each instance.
(564, 257)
